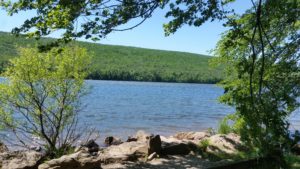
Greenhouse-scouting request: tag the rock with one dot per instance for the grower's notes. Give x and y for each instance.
(170, 140)
(92, 146)
(178, 149)
(112, 141)
(79, 160)
(4, 156)
(296, 149)
(121, 158)
(21, 160)
(225, 144)
(35, 148)
(152, 156)
(154, 145)
(142, 136)
(193, 136)
(3, 147)
(128, 151)
(130, 139)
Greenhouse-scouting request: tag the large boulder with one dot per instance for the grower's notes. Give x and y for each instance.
(20, 160)
(225, 144)
(170, 146)
(79, 160)
(192, 136)
(132, 151)
(128, 151)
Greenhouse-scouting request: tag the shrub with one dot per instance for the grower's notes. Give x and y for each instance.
(231, 123)
(204, 144)
(41, 97)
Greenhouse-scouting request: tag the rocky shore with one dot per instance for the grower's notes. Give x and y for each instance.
(182, 150)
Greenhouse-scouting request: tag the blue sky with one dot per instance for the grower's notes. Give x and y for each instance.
(150, 34)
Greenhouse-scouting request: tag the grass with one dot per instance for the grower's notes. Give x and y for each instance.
(129, 63)
(293, 161)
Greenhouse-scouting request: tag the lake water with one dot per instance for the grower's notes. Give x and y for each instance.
(120, 109)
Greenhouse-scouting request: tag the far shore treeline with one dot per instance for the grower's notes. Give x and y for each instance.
(129, 63)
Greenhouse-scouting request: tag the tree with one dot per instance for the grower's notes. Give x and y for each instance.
(261, 52)
(95, 19)
(40, 97)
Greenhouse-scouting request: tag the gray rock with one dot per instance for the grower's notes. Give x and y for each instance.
(35, 148)
(3, 147)
(130, 139)
(112, 141)
(92, 146)
(226, 144)
(128, 151)
(79, 160)
(20, 160)
(192, 136)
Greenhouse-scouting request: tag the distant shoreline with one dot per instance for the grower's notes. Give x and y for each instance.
(161, 81)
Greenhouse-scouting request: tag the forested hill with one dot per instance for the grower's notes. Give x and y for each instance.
(129, 63)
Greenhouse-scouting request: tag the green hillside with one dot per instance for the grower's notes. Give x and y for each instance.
(130, 63)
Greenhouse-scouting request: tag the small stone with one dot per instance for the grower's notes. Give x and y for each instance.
(3, 148)
(152, 156)
(112, 141)
(131, 139)
(35, 148)
(92, 146)
(94, 153)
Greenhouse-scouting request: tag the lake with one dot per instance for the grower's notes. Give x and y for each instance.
(118, 108)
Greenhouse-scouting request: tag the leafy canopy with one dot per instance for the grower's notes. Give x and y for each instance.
(95, 19)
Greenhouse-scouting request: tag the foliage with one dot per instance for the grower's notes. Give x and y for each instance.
(232, 123)
(293, 161)
(129, 63)
(204, 144)
(97, 18)
(224, 127)
(261, 52)
(40, 97)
